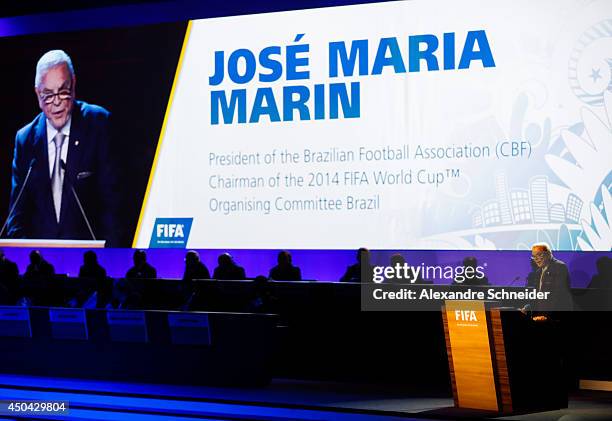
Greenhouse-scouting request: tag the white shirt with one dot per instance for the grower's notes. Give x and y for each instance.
(51, 132)
(544, 269)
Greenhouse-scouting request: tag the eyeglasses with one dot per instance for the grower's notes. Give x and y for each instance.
(539, 256)
(63, 95)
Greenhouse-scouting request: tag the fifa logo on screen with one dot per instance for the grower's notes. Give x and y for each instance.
(465, 315)
(171, 232)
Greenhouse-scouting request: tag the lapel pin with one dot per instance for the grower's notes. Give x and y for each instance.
(76, 143)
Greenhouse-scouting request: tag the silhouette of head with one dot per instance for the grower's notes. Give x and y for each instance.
(140, 258)
(284, 258)
(35, 257)
(470, 261)
(225, 259)
(260, 280)
(604, 266)
(192, 257)
(397, 259)
(363, 256)
(90, 258)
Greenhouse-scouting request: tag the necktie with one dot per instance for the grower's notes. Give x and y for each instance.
(542, 278)
(57, 178)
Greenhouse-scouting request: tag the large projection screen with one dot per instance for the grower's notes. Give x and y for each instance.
(428, 125)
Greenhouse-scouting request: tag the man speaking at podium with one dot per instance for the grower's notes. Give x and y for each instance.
(62, 178)
(551, 276)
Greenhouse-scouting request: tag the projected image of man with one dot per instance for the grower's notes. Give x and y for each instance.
(62, 175)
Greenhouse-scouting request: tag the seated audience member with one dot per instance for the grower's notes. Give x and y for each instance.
(395, 260)
(194, 268)
(125, 296)
(91, 268)
(262, 300)
(141, 269)
(101, 296)
(132, 302)
(88, 295)
(5, 297)
(9, 278)
(470, 275)
(38, 286)
(228, 269)
(39, 268)
(603, 277)
(285, 271)
(353, 272)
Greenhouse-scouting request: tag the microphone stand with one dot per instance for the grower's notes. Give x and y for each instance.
(76, 197)
(21, 190)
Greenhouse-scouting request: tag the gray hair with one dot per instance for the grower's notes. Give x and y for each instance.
(51, 59)
(542, 247)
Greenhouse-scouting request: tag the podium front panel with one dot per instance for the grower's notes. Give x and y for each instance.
(470, 360)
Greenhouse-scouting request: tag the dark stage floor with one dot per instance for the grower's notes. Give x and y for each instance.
(282, 400)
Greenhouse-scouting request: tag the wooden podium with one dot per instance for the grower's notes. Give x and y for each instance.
(502, 361)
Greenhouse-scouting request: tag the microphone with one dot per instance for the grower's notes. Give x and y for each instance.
(21, 190)
(76, 198)
(514, 280)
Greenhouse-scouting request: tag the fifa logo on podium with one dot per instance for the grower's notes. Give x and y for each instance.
(466, 315)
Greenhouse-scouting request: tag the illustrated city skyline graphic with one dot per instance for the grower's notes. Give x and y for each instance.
(525, 206)
(574, 164)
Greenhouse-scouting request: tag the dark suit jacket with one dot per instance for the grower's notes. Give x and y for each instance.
(230, 272)
(145, 272)
(9, 277)
(196, 271)
(43, 271)
(555, 280)
(92, 272)
(89, 168)
(285, 273)
(353, 273)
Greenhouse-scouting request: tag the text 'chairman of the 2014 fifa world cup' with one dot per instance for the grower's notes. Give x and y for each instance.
(62, 164)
